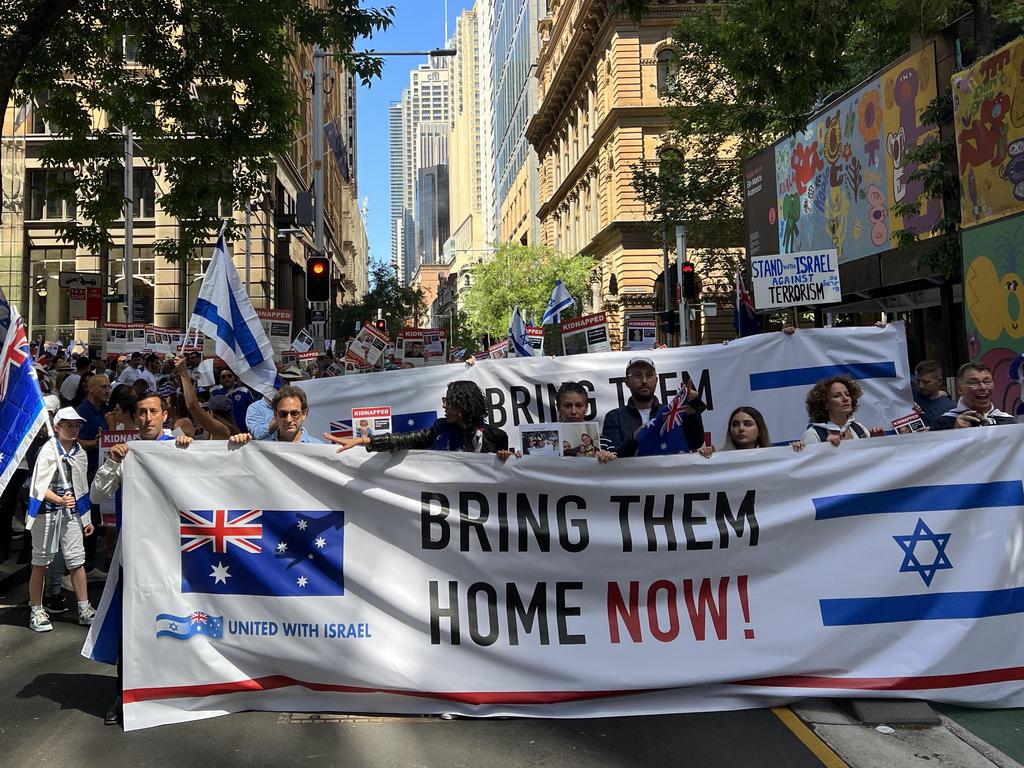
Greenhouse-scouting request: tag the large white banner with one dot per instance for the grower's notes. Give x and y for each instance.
(292, 578)
(770, 371)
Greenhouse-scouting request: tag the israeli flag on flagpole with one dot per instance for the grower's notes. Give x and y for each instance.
(224, 313)
(559, 301)
(21, 403)
(517, 337)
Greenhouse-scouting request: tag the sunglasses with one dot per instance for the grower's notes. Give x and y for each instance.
(287, 414)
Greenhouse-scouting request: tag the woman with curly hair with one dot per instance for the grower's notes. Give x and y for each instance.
(463, 428)
(830, 405)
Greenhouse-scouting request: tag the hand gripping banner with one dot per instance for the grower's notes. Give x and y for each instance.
(292, 578)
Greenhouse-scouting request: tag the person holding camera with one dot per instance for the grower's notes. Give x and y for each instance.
(974, 409)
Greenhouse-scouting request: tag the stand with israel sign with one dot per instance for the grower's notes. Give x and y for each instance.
(795, 279)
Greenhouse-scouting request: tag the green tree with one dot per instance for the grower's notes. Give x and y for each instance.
(523, 276)
(397, 304)
(201, 84)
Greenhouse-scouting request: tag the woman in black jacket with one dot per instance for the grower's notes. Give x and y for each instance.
(463, 428)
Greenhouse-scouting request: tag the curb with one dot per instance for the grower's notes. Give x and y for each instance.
(15, 578)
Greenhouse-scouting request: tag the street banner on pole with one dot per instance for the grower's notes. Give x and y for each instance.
(293, 578)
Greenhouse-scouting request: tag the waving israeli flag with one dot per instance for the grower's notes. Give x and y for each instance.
(224, 313)
(517, 337)
(560, 300)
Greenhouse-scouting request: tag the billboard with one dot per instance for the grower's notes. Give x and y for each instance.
(836, 182)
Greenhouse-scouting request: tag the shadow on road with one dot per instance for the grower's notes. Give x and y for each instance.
(90, 694)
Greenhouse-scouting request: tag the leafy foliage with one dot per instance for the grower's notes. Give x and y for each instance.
(201, 84)
(398, 304)
(523, 276)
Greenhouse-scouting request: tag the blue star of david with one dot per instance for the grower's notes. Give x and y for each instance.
(910, 562)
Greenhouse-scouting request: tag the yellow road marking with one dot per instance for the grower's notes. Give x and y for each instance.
(809, 738)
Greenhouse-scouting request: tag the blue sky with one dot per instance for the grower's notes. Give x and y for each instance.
(418, 26)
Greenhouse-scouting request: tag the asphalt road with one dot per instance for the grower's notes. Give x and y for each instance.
(53, 702)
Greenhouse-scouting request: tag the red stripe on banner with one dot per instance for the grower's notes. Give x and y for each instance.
(923, 683)
(272, 682)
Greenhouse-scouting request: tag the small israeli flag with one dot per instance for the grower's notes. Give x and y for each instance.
(224, 313)
(517, 337)
(197, 623)
(560, 300)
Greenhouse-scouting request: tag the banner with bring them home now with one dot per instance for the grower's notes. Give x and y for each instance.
(771, 372)
(295, 579)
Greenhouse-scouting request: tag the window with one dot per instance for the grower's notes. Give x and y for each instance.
(49, 199)
(668, 69)
(143, 191)
(39, 125)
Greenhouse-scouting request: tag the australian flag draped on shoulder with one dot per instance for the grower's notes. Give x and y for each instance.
(517, 336)
(665, 434)
(224, 313)
(21, 403)
(560, 300)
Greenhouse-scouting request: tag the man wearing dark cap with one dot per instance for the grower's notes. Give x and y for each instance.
(623, 425)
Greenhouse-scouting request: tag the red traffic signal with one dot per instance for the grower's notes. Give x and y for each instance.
(690, 290)
(318, 278)
(381, 325)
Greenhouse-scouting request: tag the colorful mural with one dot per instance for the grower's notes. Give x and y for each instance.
(994, 303)
(838, 180)
(988, 102)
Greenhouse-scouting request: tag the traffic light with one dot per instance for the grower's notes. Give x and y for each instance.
(668, 321)
(318, 278)
(689, 281)
(381, 325)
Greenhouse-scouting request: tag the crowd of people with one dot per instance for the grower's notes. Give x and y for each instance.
(165, 399)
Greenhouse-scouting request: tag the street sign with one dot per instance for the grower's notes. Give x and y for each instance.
(81, 280)
(115, 298)
(318, 315)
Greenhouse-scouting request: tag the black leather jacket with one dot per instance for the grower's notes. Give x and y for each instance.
(493, 439)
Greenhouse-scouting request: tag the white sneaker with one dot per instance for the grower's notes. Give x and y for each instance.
(65, 583)
(96, 574)
(40, 621)
(86, 615)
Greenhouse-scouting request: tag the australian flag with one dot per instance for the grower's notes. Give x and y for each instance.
(262, 552)
(410, 422)
(665, 434)
(21, 402)
(745, 319)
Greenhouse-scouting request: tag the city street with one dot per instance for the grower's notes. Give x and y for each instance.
(55, 700)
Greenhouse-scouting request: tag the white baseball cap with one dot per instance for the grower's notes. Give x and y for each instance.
(67, 414)
(639, 361)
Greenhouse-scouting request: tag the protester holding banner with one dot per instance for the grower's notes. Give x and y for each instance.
(572, 401)
(463, 428)
(289, 408)
(830, 406)
(928, 393)
(59, 518)
(622, 425)
(975, 407)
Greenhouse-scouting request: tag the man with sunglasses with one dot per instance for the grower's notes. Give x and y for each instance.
(290, 409)
(975, 408)
(241, 397)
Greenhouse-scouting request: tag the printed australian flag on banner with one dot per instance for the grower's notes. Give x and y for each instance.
(262, 552)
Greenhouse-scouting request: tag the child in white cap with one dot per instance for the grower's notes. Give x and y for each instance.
(58, 517)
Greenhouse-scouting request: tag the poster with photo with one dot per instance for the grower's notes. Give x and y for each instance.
(580, 438)
(370, 421)
(277, 324)
(540, 439)
(586, 334)
(641, 333)
(417, 347)
(303, 341)
(367, 348)
(912, 422)
(498, 350)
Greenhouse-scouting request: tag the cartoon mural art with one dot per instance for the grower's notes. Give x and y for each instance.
(842, 176)
(988, 105)
(994, 301)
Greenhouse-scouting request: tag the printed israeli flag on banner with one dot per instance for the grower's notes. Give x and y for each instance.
(224, 313)
(21, 403)
(197, 623)
(517, 337)
(560, 300)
